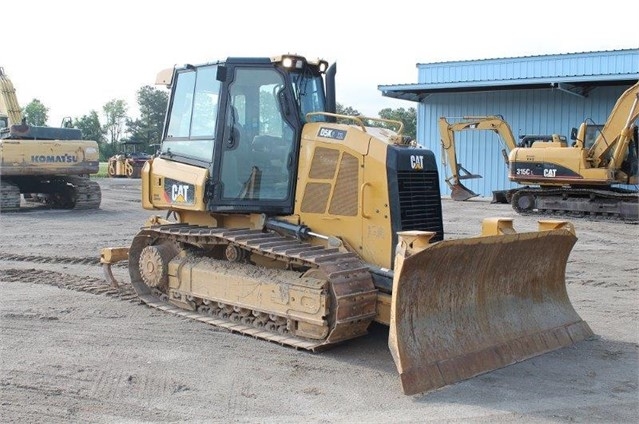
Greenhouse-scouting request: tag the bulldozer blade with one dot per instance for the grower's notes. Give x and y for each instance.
(465, 307)
(459, 192)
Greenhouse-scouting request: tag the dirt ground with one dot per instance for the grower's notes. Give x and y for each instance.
(72, 350)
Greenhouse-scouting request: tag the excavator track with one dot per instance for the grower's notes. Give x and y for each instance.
(9, 197)
(618, 205)
(348, 283)
(59, 192)
(86, 194)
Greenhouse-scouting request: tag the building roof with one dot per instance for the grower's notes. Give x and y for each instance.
(576, 73)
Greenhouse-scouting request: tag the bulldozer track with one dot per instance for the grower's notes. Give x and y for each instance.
(630, 200)
(69, 282)
(353, 299)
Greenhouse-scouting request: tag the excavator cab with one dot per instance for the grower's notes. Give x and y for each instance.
(586, 135)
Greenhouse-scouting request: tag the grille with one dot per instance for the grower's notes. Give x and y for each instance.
(420, 201)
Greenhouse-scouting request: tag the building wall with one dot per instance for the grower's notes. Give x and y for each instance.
(555, 68)
(541, 111)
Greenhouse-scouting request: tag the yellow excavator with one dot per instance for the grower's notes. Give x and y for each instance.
(290, 223)
(583, 179)
(495, 123)
(45, 164)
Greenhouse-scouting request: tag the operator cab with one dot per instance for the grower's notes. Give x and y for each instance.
(587, 133)
(242, 119)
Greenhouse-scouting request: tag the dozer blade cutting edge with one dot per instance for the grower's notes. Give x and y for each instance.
(465, 307)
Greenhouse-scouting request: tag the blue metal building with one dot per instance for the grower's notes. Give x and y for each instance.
(548, 94)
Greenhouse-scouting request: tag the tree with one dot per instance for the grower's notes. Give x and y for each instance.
(92, 130)
(148, 128)
(36, 113)
(115, 113)
(407, 116)
(346, 110)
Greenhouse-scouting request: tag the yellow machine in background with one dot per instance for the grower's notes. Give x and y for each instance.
(128, 163)
(582, 179)
(46, 164)
(297, 225)
(493, 123)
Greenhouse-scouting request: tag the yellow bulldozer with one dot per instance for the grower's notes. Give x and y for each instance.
(288, 222)
(44, 164)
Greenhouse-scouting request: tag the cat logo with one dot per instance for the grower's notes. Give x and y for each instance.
(180, 193)
(417, 162)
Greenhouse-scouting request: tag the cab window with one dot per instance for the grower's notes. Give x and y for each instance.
(192, 122)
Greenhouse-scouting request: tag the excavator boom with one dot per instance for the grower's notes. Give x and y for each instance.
(616, 132)
(8, 101)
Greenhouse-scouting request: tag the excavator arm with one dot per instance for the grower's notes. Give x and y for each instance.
(447, 133)
(617, 132)
(8, 100)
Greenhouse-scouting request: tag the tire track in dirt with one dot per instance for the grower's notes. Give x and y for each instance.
(50, 259)
(70, 282)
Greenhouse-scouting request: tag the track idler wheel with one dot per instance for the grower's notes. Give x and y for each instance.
(523, 202)
(235, 254)
(154, 264)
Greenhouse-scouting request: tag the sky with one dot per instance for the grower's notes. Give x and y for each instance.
(77, 55)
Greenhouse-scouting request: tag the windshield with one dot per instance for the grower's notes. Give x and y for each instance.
(309, 93)
(191, 125)
(592, 132)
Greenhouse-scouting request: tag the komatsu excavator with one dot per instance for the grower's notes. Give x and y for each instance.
(494, 123)
(46, 164)
(288, 222)
(583, 179)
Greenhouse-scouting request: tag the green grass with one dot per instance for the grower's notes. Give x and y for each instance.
(102, 173)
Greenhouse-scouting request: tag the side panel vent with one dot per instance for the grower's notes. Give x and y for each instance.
(316, 197)
(344, 201)
(324, 164)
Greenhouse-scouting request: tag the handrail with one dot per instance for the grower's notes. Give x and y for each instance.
(359, 120)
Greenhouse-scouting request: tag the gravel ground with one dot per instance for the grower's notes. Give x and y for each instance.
(75, 351)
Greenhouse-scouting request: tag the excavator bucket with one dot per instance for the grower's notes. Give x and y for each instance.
(465, 307)
(459, 192)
